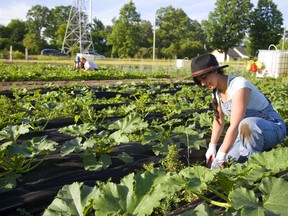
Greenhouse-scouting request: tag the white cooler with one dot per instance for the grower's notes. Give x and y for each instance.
(275, 63)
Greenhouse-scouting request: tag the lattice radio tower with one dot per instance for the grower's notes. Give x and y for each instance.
(78, 34)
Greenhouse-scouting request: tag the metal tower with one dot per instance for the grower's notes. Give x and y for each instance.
(78, 34)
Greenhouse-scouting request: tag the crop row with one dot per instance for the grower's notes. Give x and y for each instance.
(93, 122)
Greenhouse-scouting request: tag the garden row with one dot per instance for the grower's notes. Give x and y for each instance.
(134, 149)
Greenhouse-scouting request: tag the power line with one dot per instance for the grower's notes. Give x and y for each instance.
(78, 32)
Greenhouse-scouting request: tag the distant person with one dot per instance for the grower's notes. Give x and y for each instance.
(77, 63)
(89, 65)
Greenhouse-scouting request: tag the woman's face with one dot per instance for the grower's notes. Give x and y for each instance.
(208, 80)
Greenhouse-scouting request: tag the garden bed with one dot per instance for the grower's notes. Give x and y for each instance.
(107, 133)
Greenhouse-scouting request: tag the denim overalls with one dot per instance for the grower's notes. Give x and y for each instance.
(258, 131)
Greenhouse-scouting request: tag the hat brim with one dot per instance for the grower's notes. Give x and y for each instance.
(207, 70)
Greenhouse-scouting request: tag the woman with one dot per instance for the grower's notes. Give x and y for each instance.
(89, 65)
(254, 124)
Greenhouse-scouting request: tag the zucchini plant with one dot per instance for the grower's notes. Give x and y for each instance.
(241, 189)
(18, 158)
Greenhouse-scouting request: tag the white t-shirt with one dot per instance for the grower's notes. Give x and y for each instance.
(90, 65)
(257, 100)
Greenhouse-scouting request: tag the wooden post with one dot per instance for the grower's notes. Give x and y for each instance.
(26, 54)
(11, 52)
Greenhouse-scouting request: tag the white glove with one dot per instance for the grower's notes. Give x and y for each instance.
(210, 153)
(219, 160)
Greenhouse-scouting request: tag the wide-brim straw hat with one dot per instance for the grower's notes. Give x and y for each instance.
(204, 64)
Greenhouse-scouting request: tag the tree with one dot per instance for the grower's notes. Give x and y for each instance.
(146, 34)
(99, 35)
(145, 40)
(36, 23)
(265, 29)
(227, 24)
(37, 18)
(4, 37)
(34, 42)
(125, 34)
(176, 33)
(17, 32)
(56, 21)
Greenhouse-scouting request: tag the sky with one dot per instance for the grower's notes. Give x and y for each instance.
(106, 10)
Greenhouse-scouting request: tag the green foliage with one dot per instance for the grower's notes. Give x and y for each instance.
(131, 123)
(171, 162)
(50, 72)
(244, 189)
(139, 194)
(226, 25)
(183, 122)
(74, 199)
(177, 34)
(265, 28)
(56, 27)
(125, 34)
(18, 158)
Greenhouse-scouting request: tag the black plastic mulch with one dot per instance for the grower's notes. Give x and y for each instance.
(37, 189)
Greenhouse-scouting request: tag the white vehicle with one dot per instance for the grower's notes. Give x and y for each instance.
(95, 54)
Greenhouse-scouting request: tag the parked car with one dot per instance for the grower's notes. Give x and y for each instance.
(94, 53)
(53, 52)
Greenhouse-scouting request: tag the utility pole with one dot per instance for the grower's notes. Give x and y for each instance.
(154, 37)
(283, 37)
(78, 31)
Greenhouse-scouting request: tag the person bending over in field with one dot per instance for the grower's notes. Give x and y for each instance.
(254, 124)
(89, 65)
(77, 63)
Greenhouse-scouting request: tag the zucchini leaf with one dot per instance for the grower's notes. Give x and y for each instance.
(273, 201)
(135, 195)
(74, 199)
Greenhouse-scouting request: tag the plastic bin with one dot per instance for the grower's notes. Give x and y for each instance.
(275, 63)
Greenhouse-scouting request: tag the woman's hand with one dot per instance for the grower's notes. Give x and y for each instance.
(219, 160)
(210, 153)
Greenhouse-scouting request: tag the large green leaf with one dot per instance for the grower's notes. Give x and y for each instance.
(77, 130)
(131, 123)
(135, 195)
(258, 166)
(273, 202)
(74, 145)
(157, 133)
(12, 132)
(196, 178)
(275, 195)
(75, 199)
(40, 144)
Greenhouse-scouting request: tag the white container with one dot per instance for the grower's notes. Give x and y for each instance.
(182, 63)
(275, 63)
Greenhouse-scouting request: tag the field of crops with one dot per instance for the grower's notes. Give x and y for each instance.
(126, 148)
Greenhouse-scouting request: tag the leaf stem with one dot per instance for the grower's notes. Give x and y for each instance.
(218, 193)
(213, 202)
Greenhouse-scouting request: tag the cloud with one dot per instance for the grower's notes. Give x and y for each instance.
(13, 10)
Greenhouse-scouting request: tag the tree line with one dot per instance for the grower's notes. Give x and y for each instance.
(232, 23)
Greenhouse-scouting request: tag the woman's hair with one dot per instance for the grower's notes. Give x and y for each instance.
(214, 99)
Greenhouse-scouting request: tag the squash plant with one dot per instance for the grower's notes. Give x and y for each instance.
(241, 189)
(19, 158)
